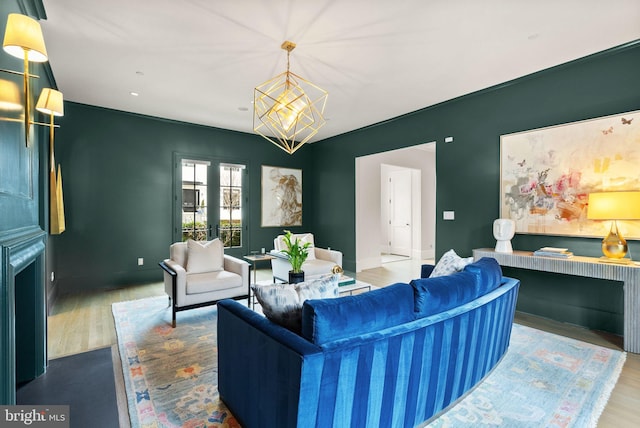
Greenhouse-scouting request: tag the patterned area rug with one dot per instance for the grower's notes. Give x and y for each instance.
(171, 375)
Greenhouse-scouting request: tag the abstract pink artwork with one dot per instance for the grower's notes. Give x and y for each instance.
(546, 174)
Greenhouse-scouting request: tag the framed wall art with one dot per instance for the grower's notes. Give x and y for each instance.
(546, 174)
(281, 196)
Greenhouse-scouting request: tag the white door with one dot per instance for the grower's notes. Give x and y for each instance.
(400, 212)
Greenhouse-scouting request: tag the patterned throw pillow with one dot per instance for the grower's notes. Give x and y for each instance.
(282, 303)
(450, 263)
(204, 257)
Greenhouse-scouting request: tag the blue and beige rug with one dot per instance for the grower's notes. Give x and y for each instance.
(171, 375)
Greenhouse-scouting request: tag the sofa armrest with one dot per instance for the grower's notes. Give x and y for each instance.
(263, 363)
(279, 255)
(426, 270)
(174, 272)
(235, 265)
(280, 266)
(329, 255)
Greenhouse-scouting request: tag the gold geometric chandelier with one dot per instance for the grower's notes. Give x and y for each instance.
(288, 110)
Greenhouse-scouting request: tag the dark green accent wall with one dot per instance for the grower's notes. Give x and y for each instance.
(468, 170)
(117, 176)
(117, 179)
(23, 222)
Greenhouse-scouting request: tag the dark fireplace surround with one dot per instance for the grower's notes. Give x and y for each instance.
(23, 313)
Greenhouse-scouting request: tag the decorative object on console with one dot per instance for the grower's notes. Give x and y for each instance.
(614, 206)
(297, 251)
(558, 253)
(288, 109)
(546, 174)
(503, 231)
(281, 196)
(51, 102)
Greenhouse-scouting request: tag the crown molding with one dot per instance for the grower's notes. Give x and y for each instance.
(33, 8)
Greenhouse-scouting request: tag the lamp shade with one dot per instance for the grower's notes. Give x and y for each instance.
(23, 36)
(614, 206)
(9, 96)
(50, 102)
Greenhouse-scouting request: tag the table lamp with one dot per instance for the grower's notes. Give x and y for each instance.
(614, 206)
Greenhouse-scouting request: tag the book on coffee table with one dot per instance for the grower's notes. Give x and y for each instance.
(346, 280)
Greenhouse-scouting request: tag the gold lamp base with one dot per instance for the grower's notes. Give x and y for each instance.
(614, 246)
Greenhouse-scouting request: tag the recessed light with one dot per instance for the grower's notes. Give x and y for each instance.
(134, 94)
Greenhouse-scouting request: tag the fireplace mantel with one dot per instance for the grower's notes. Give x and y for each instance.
(23, 315)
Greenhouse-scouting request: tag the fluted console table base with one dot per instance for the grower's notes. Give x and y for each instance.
(589, 267)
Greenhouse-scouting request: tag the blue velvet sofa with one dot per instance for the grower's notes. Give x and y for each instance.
(393, 357)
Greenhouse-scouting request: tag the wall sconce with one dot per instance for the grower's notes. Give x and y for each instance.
(614, 206)
(23, 39)
(9, 96)
(51, 102)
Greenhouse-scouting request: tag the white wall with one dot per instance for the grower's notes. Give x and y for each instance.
(368, 200)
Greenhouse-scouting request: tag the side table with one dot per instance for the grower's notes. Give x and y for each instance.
(254, 259)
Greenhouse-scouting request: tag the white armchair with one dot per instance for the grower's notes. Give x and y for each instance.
(319, 261)
(200, 274)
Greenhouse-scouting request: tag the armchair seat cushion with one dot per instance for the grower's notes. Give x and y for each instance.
(207, 282)
(316, 267)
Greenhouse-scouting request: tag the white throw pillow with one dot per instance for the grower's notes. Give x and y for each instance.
(307, 237)
(282, 303)
(205, 257)
(450, 263)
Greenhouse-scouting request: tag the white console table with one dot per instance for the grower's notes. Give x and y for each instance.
(589, 267)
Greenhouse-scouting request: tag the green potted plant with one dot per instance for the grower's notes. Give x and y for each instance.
(297, 254)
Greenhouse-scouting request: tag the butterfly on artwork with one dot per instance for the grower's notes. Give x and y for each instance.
(626, 121)
(607, 131)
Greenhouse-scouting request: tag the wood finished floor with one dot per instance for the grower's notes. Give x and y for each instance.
(83, 322)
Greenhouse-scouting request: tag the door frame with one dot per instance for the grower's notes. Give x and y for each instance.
(213, 181)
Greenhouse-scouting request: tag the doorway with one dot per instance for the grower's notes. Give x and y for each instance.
(211, 202)
(372, 206)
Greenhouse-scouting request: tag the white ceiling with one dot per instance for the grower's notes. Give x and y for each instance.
(199, 60)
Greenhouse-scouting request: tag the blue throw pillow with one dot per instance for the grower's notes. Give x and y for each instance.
(327, 320)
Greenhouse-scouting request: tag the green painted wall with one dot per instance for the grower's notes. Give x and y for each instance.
(117, 179)
(468, 171)
(117, 176)
(23, 220)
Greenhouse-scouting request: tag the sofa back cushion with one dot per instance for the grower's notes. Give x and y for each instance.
(438, 294)
(327, 320)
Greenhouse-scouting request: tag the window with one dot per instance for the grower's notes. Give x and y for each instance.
(230, 226)
(195, 223)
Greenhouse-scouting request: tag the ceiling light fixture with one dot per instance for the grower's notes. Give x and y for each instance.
(288, 110)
